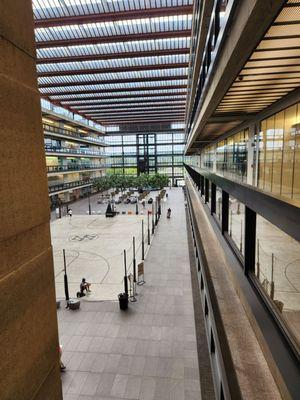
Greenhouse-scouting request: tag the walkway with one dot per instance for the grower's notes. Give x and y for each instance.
(148, 352)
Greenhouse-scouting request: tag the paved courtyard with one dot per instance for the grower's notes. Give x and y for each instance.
(148, 352)
(94, 248)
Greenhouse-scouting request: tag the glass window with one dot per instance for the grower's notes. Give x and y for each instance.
(278, 271)
(296, 180)
(236, 223)
(219, 204)
(288, 151)
(278, 158)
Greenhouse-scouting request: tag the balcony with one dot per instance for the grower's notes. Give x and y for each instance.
(73, 152)
(69, 185)
(70, 168)
(56, 131)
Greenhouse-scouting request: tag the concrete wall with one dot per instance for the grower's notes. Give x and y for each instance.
(29, 367)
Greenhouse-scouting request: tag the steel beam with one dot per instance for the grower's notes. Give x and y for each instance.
(143, 115)
(112, 81)
(119, 69)
(126, 96)
(137, 114)
(130, 110)
(120, 106)
(114, 16)
(116, 90)
(111, 56)
(141, 121)
(82, 104)
(112, 39)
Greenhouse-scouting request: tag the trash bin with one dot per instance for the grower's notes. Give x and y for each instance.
(74, 304)
(123, 301)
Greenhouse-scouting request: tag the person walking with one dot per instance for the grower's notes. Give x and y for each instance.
(70, 213)
(169, 213)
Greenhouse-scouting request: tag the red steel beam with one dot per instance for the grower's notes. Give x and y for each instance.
(112, 81)
(119, 69)
(114, 16)
(136, 111)
(146, 122)
(112, 39)
(124, 109)
(125, 116)
(125, 96)
(120, 108)
(143, 121)
(83, 105)
(112, 56)
(117, 90)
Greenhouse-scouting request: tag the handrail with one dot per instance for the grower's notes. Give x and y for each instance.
(67, 168)
(66, 132)
(213, 41)
(211, 311)
(70, 185)
(67, 150)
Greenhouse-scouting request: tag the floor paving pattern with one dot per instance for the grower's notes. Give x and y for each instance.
(148, 352)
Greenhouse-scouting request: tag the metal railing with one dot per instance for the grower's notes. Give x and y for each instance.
(67, 168)
(70, 185)
(66, 132)
(214, 37)
(66, 150)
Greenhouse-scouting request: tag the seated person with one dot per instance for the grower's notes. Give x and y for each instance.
(84, 286)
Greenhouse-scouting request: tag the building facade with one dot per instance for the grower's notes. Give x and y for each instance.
(75, 156)
(243, 156)
(159, 150)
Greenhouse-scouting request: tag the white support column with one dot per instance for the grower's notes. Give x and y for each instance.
(250, 155)
(215, 160)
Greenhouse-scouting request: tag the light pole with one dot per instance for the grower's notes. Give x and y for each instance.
(65, 277)
(90, 211)
(148, 228)
(152, 218)
(125, 276)
(134, 260)
(143, 244)
(159, 207)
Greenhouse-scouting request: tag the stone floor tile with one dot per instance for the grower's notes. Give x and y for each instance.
(75, 361)
(84, 343)
(119, 386)
(133, 387)
(99, 363)
(71, 396)
(95, 344)
(147, 390)
(112, 363)
(77, 382)
(90, 385)
(151, 365)
(105, 384)
(137, 365)
(87, 362)
(124, 365)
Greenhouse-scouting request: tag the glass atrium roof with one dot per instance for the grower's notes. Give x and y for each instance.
(105, 53)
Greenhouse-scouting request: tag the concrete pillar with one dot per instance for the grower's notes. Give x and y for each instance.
(28, 334)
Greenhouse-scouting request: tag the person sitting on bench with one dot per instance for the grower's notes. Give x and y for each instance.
(84, 287)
